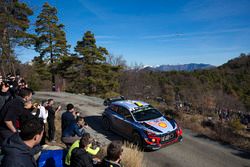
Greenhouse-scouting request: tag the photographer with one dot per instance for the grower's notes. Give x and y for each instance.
(73, 132)
(79, 152)
(51, 119)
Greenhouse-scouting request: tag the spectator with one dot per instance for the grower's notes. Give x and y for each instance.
(68, 117)
(51, 119)
(12, 112)
(73, 132)
(1, 78)
(80, 157)
(114, 152)
(93, 148)
(39, 111)
(5, 94)
(22, 84)
(19, 149)
(43, 113)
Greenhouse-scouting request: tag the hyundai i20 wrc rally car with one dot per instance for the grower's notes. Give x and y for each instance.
(140, 123)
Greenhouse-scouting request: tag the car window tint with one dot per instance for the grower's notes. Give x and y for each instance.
(123, 111)
(114, 108)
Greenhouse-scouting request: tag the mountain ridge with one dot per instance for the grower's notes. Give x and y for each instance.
(181, 67)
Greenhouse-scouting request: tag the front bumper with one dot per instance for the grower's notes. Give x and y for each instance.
(155, 146)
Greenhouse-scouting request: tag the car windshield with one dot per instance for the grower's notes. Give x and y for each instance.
(146, 114)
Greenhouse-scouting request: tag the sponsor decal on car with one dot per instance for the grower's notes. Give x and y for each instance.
(162, 124)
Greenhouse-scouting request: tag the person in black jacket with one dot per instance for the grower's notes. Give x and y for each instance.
(79, 156)
(19, 149)
(5, 94)
(12, 113)
(114, 152)
(68, 117)
(51, 119)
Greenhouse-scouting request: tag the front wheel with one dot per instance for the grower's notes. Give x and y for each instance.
(106, 123)
(137, 140)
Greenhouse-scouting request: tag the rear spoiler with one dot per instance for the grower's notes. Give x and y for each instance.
(108, 101)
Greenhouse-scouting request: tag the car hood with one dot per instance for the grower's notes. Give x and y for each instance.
(160, 125)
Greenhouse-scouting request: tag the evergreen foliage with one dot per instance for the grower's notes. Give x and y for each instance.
(87, 71)
(14, 23)
(51, 39)
(227, 86)
(95, 76)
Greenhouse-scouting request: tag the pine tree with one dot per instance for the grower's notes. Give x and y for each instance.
(88, 50)
(51, 41)
(13, 25)
(96, 76)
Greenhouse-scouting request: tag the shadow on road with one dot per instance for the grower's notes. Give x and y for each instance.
(243, 154)
(95, 122)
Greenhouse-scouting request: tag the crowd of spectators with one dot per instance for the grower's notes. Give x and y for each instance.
(22, 129)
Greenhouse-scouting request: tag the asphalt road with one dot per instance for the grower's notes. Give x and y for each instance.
(194, 151)
(198, 151)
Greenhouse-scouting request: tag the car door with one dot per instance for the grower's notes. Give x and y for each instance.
(125, 122)
(114, 117)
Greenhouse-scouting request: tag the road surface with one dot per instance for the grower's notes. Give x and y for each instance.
(194, 151)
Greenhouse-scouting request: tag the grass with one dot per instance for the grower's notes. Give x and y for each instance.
(132, 156)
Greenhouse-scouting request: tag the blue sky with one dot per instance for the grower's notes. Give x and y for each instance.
(156, 32)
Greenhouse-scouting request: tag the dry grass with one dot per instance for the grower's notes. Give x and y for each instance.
(231, 132)
(132, 156)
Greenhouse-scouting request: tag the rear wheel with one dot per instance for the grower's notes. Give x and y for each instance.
(106, 123)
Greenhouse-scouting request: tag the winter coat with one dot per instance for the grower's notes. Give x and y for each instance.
(80, 158)
(108, 163)
(17, 153)
(72, 130)
(4, 98)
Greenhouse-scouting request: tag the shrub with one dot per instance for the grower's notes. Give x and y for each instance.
(193, 119)
(236, 125)
(110, 95)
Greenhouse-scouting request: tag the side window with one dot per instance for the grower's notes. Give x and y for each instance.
(124, 112)
(114, 108)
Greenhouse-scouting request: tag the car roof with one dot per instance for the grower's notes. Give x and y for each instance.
(130, 104)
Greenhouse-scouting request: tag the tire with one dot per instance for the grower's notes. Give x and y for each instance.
(106, 123)
(137, 140)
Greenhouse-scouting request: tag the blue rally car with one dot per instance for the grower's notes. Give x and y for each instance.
(140, 123)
